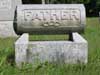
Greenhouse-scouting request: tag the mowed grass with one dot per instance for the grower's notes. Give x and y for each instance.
(92, 35)
(48, 37)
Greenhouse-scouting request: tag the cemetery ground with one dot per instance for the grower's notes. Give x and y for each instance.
(92, 35)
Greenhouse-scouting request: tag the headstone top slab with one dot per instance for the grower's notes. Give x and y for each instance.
(40, 18)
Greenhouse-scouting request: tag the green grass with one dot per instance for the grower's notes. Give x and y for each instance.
(92, 34)
(48, 37)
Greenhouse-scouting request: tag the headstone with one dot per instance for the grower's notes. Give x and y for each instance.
(7, 11)
(50, 19)
(53, 19)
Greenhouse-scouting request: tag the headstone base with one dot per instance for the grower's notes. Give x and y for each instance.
(73, 52)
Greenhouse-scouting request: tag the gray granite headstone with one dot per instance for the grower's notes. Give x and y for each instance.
(7, 10)
(30, 20)
(50, 18)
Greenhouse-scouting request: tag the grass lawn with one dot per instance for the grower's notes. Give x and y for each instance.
(92, 35)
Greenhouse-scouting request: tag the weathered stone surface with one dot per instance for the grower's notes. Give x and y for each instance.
(6, 29)
(21, 47)
(52, 51)
(7, 9)
(50, 18)
(7, 12)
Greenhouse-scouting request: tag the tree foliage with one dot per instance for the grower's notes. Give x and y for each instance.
(69, 1)
(92, 6)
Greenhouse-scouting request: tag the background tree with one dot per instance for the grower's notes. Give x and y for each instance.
(92, 6)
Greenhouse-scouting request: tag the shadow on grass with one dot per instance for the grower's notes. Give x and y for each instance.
(11, 59)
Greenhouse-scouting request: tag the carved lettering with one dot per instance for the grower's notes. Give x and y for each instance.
(52, 17)
(74, 15)
(45, 14)
(5, 4)
(56, 24)
(65, 15)
(28, 15)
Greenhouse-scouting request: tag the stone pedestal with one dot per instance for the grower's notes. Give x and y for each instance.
(71, 52)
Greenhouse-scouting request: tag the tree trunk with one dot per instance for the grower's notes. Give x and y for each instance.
(43, 1)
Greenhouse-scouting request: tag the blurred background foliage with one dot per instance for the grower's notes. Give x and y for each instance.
(92, 6)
